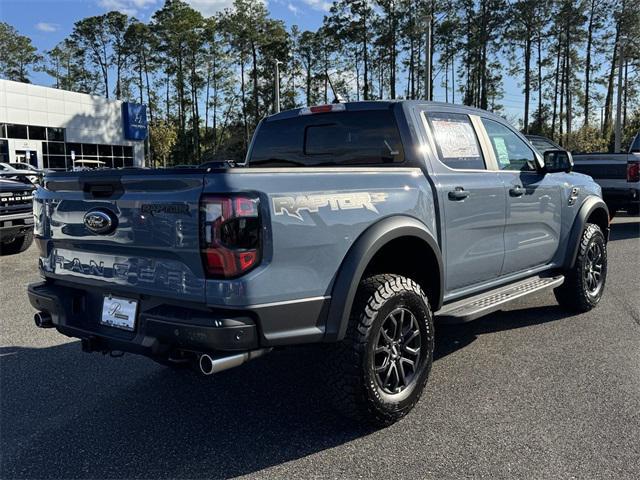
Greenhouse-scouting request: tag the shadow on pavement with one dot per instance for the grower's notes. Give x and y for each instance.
(61, 420)
(450, 338)
(625, 231)
(67, 414)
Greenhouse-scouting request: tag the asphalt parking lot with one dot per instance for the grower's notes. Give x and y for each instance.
(532, 392)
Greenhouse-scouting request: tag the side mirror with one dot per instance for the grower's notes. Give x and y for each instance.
(557, 161)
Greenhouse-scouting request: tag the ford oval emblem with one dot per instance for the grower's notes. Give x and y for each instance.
(100, 221)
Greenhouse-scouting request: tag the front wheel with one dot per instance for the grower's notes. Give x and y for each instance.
(379, 370)
(17, 245)
(584, 283)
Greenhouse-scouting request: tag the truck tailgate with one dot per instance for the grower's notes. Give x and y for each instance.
(151, 244)
(602, 166)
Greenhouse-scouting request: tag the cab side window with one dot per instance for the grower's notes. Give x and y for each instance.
(512, 153)
(456, 141)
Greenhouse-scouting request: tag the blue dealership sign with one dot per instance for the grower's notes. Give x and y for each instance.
(134, 116)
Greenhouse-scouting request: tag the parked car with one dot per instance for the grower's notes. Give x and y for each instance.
(7, 170)
(351, 225)
(79, 165)
(542, 144)
(617, 173)
(25, 166)
(16, 216)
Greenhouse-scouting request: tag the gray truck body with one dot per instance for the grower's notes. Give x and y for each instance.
(459, 232)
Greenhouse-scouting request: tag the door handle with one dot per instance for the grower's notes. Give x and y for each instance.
(517, 191)
(458, 194)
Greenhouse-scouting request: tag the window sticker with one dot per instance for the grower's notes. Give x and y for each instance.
(501, 151)
(456, 139)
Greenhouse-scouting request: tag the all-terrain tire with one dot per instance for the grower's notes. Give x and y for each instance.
(576, 293)
(17, 245)
(357, 389)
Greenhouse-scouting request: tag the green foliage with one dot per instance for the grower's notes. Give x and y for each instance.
(585, 140)
(163, 138)
(17, 54)
(631, 129)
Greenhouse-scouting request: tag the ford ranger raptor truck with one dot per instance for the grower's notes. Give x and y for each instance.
(351, 224)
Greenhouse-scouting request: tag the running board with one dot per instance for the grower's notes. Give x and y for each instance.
(474, 307)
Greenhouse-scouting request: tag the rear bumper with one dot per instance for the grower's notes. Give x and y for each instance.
(621, 196)
(160, 329)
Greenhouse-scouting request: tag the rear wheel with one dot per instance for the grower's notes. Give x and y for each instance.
(379, 370)
(17, 244)
(584, 283)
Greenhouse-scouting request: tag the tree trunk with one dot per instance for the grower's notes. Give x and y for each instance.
(539, 119)
(453, 78)
(527, 81)
(392, 52)
(206, 102)
(105, 70)
(149, 106)
(167, 112)
(357, 67)
(254, 75)
(567, 68)
(181, 104)
(587, 66)
(365, 59)
(140, 83)
(555, 94)
(214, 123)
(118, 74)
(326, 76)
(244, 106)
(562, 80)
(626, 93)
(196, 110)
(608, 102)
(308, 80)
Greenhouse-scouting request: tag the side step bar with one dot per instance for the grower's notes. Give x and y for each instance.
(484, 303)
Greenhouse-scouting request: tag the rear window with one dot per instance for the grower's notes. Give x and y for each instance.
(456, 141)
(326, 139)
(541, 144)
(635, 145)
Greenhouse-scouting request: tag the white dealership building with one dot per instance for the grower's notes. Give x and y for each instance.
(51, 128)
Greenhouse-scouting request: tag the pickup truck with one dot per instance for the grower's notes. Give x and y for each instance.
(617, 173)
(16, 216)
(349, 224)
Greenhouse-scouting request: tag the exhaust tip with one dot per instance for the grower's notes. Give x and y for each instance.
(205, 362)
(43, 320)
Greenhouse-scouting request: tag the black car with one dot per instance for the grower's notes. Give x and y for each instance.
(543, 144)
(16, 216)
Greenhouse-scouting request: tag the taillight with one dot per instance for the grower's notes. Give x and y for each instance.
(333, 107)
(633, 171)
(231, 240)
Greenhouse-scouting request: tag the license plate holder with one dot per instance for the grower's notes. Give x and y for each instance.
(118, 312)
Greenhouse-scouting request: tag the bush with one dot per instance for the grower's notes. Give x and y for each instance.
(585, 140)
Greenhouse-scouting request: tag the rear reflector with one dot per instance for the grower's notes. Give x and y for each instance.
(334, 107)
(633, 171)
(231, 240)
